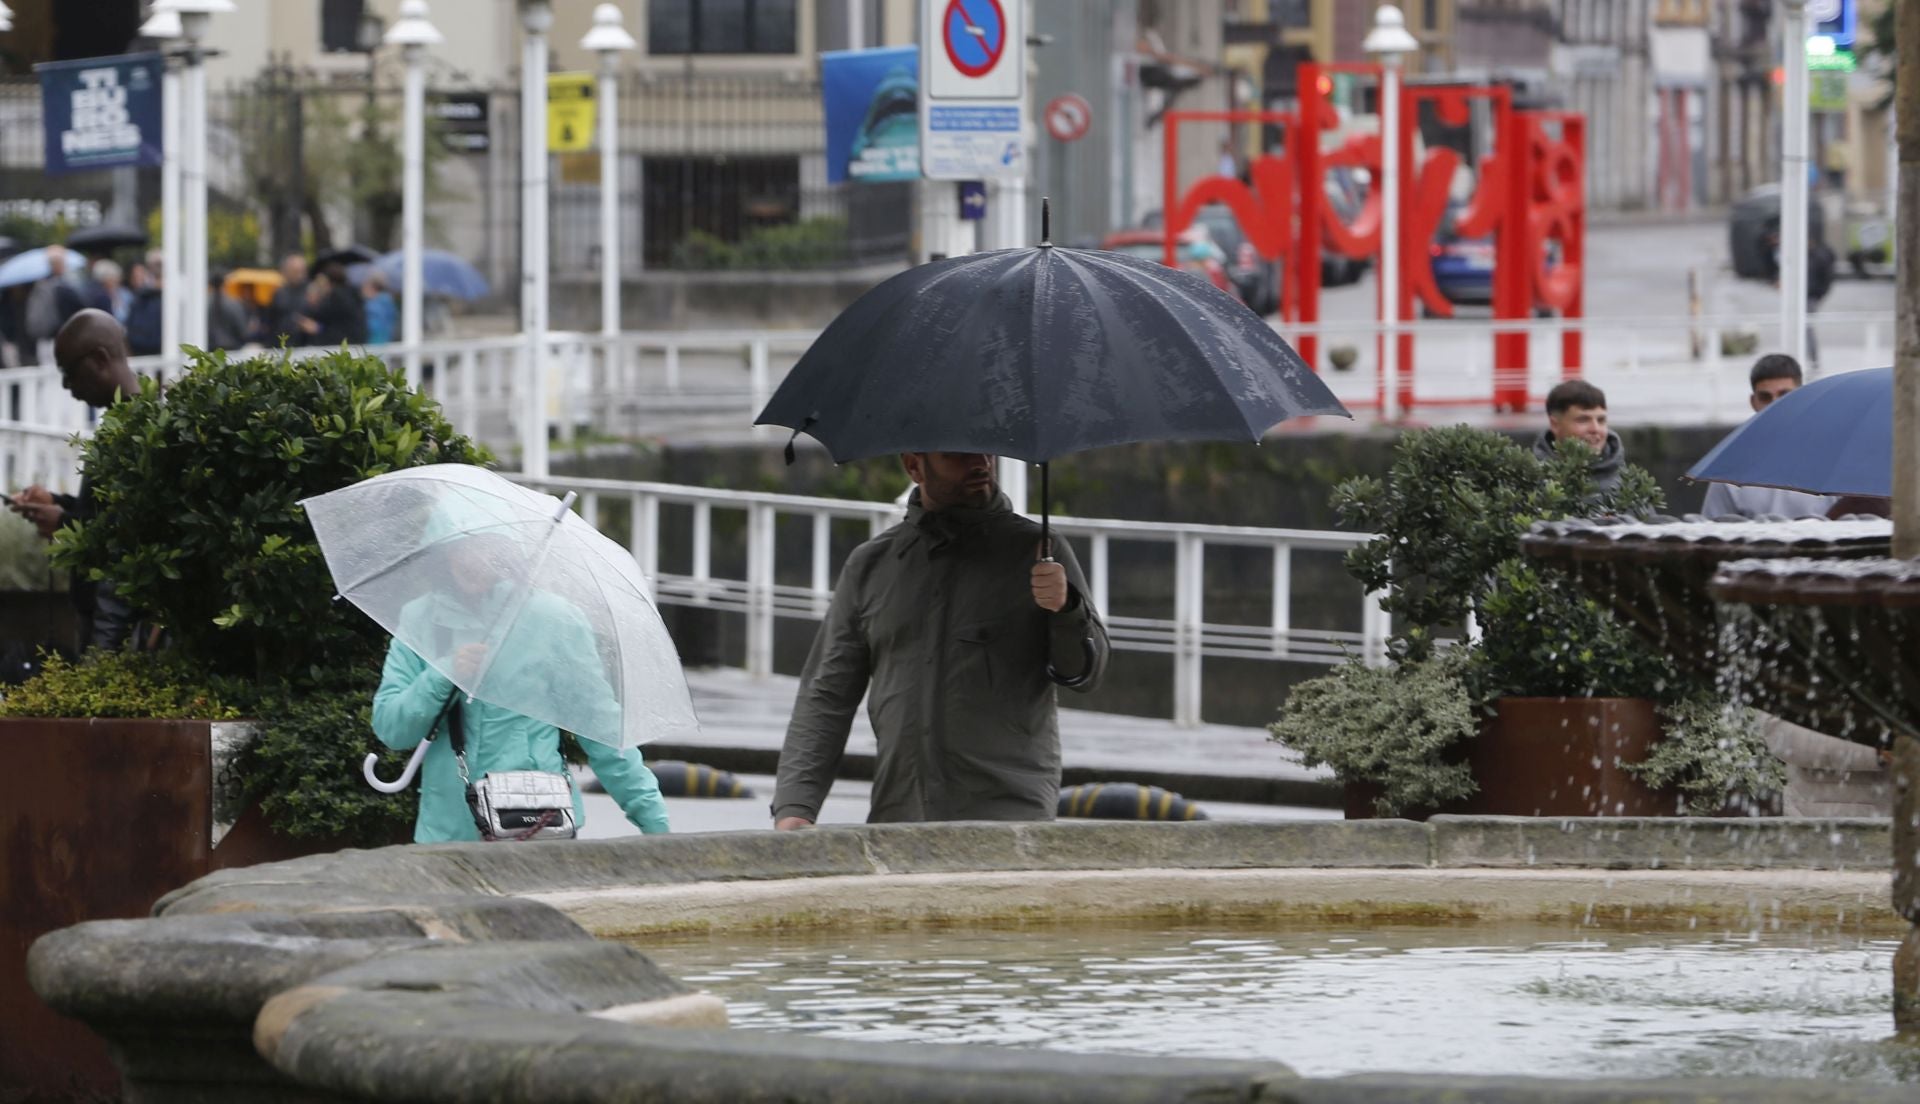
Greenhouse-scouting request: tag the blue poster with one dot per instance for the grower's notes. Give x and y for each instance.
(101, 112)
(872, 100)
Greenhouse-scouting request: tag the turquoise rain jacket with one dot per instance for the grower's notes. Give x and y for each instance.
(550, 639)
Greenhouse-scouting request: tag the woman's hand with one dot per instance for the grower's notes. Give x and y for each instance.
(467, 661)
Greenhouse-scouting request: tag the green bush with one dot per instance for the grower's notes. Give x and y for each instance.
(199, 522)
(304, 769)
(1710, 751)
(138, 685)
(809, 243)
(1395, 727)
(1449, 517)
(1453, 508)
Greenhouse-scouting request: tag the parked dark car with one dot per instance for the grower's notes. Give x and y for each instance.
(1462, 267)
(1256, 280)
(1151, 244)
(1753, 220)
(1346, 194)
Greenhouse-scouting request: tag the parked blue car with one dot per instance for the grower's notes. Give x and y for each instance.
(1462, 267)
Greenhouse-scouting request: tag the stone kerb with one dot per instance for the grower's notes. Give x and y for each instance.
(433, 973)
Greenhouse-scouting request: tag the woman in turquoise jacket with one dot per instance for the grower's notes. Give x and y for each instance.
(549, 647)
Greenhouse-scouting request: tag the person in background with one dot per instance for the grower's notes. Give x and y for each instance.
(106, 290)
(53, 301)
(91, 350)
(383, 314)
(334, 312)
(143, 310)
(227, 320)
(285, 314)
(1578, 409)
(1771, 377)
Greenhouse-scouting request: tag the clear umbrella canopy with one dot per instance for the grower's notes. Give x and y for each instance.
(556, 617)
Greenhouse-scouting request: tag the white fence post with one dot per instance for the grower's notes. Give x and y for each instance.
(760, 532)
(822, 570)
(1097, 574)
(644, 538)
(1189, 565)
(1282, 598)
(758, 373)
(702, 549)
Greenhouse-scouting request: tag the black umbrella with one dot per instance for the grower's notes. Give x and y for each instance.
(106, 237)
(1036, 353)
(348, 256)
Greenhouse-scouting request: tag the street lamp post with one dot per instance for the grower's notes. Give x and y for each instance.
(536, 18)
(163, 26)
(609, 39)
(413, 34)
(194, 17)
(1390, 42)
(1793, 185)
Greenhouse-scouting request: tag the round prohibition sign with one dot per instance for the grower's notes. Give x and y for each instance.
(1069, 117)
(975, 35)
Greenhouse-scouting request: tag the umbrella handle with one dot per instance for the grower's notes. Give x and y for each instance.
(406, 776)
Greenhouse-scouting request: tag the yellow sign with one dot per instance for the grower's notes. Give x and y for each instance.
(569, 112)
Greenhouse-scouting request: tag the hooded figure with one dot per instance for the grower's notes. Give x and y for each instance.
(549, 645)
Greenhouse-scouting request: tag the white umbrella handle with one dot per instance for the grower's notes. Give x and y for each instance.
(406, 776)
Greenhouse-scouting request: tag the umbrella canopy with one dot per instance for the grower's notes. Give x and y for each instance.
(25, 268)
(441, 273)
(346, 255)
(257, 284)
(1832, 437)
(1036, 353)
(572, 637)
(106, 238)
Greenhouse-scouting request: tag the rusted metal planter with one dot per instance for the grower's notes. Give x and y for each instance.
(98, 819)
(1554, 757)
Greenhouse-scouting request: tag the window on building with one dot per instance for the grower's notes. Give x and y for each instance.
(720, 27)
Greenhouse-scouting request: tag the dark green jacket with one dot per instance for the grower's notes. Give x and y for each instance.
(934, 622)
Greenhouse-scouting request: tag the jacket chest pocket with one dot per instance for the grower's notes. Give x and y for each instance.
(972, 657)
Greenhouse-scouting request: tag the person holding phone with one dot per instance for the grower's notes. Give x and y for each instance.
(91, 351)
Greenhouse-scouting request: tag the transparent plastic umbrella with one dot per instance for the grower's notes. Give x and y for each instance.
(449, 556)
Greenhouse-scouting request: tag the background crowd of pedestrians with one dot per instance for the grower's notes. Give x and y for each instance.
(322, 306)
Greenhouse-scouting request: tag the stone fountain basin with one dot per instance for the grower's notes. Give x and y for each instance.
(471, 971)
(1659, 576)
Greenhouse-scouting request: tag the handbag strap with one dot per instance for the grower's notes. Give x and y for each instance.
(456, 730)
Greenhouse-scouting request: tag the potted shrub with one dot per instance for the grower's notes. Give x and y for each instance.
(130, 774)
(1574, 715)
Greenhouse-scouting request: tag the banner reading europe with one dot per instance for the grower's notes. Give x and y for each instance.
(101, 113)
(872, 101)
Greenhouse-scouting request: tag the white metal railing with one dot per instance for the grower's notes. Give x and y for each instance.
(1661, 370)
(1187, 636)
(1656, 370)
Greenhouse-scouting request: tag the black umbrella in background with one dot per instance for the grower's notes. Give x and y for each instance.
(1037, 353)
(347, 256)
(106, 238)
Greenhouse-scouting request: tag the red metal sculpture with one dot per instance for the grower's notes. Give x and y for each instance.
(1530, 199)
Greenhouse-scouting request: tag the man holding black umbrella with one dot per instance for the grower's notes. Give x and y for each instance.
(956, 627)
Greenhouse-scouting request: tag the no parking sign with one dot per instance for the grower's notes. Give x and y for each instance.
(973, 69)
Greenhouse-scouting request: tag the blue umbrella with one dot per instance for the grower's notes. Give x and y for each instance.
(442, 273)
(1831, 437)
(25, 268)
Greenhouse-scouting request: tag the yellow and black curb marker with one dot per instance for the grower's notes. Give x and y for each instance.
(679, 779)
(1126, 801)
